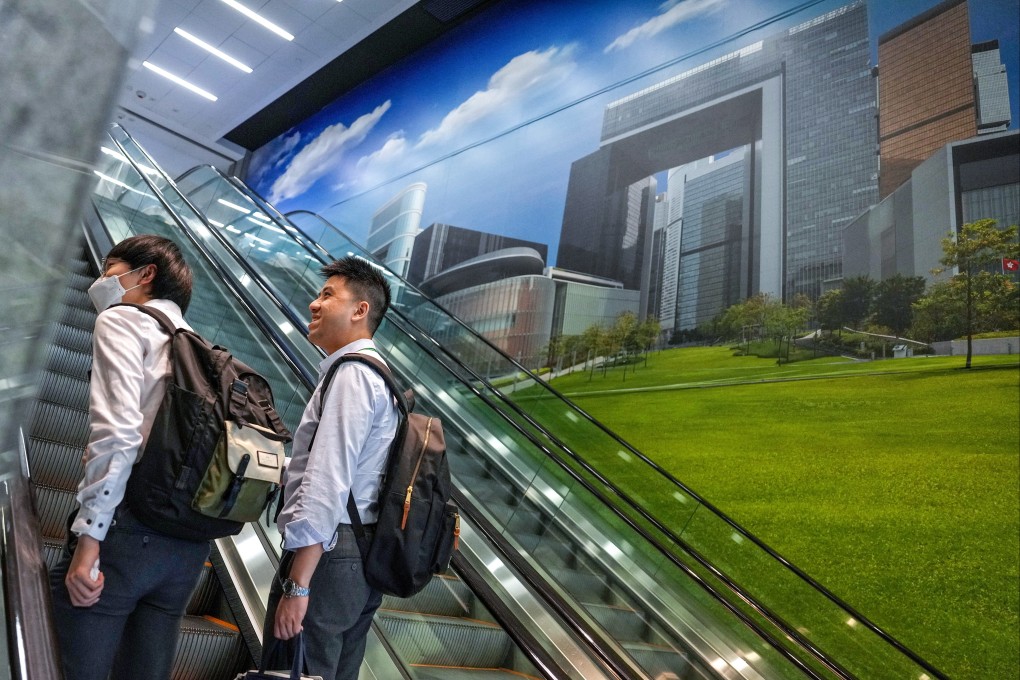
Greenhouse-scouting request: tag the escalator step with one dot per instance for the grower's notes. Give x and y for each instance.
(422, 672)
(624, 623)
(54, 506)
(84, 319)
(208, 648)
(55, 464)
(446, 641)
(662, 662)
(206, 591)
(77, 297)
(442, 596)
(70, 362)
(60, 423)
(73, 338)
(52, 549)
(63, 389)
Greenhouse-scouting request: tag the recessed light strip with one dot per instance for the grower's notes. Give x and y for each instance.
(212, 50)
(180, 81)
(255, 16)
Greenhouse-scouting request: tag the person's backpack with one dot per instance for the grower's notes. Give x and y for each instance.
(419, 526)
(214, 457)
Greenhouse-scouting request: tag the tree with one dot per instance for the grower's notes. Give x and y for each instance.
(939, 314)
(976, 247)
(857, 294)
(830, 311)
(894, 298)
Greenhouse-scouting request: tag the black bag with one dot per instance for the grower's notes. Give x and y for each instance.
(419, 527)
(214, 456)
(295, 669)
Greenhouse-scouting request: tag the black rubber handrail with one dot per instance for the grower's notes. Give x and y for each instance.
(803, 576)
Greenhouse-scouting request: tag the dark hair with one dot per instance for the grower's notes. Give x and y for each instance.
(365, 281)
(173, 275)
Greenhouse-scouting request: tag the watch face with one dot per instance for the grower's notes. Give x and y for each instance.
(292, 589)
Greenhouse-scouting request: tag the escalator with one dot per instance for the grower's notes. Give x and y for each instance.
(449, 630)
(688, 594)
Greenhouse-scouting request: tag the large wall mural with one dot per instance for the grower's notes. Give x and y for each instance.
(584, 136)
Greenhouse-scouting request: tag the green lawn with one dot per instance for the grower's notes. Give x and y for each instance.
(895, 483)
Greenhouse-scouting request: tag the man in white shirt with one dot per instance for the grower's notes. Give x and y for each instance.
(121, 588)
(321, 587)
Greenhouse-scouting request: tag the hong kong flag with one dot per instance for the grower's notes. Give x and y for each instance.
(1009, 265)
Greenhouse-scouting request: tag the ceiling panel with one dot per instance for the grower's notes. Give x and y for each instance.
(324, 30)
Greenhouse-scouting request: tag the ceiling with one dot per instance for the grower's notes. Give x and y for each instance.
(336, 45)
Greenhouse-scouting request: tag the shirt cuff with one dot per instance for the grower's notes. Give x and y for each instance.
(92, 524)
(301, 533)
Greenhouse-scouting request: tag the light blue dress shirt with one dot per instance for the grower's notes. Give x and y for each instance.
(359, 421)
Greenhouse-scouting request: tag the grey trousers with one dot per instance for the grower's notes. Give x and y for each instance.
(340, 611)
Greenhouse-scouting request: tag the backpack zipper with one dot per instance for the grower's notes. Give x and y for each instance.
(414, 476)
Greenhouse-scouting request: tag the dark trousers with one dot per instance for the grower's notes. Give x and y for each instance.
(340, 610)
(133, 629)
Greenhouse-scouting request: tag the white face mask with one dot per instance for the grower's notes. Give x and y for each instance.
(107, 291)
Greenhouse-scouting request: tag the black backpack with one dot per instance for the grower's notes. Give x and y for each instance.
(419, 527)
(214, 456)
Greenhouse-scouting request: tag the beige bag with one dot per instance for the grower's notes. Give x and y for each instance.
(243, 475)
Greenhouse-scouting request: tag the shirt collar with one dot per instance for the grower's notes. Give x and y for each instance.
(359, 345)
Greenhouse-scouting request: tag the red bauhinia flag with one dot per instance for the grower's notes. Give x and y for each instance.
(1009, 265)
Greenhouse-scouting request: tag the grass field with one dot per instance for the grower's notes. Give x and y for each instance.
(894, 483)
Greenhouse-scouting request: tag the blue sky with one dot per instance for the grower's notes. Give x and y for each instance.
(455, 109)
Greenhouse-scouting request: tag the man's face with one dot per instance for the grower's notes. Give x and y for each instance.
(132, 279)
(337, 316)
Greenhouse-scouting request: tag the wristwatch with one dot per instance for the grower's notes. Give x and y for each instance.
(292, 589)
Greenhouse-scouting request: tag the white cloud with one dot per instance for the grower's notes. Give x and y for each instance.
(525, 72)
(673, 13)
(289, 144)
(522, 80)
(320, 155)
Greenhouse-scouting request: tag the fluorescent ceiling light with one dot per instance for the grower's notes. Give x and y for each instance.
(255, 16)
(180, 81)
(212, 50)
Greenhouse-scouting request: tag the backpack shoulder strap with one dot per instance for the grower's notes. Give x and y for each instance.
(376, 365)
(162, 319)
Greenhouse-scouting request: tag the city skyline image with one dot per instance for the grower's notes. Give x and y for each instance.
(498, 139)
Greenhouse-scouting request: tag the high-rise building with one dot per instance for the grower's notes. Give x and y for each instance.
(803, 104)
(394, 226)
(672, 207)
(991, 87)
(716, 266)
(935, 88)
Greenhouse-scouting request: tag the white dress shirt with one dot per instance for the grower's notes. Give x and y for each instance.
(130, 369)
(359, 421)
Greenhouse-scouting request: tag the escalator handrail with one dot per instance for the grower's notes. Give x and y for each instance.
(858, 617)
(278, 341)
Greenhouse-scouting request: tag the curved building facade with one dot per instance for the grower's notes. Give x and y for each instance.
(394, 226)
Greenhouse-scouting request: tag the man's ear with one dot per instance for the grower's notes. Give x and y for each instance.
(148, 275)
(361, 312)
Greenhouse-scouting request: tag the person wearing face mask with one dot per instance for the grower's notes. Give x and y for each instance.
(121, 588)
